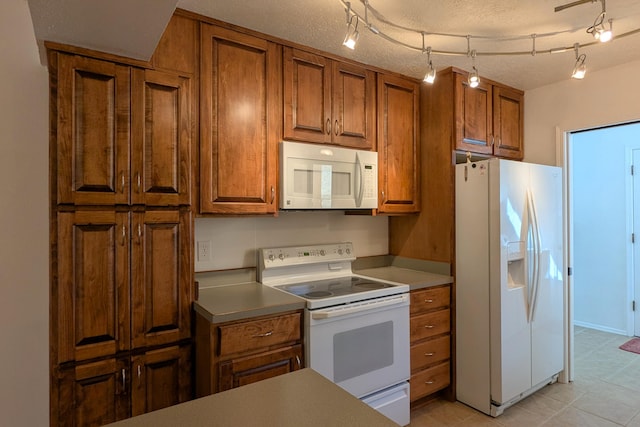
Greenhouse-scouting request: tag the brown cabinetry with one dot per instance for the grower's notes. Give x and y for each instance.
(123, 134)
(232, 354)
(241, 122)
(488, 118)
(328, 101)
(398, 145)
(430, 340)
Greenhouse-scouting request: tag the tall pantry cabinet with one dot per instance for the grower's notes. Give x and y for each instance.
(121, 232)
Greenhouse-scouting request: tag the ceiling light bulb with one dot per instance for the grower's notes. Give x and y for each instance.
(474, 79)
(579, 70)
(352, 34)
(430, 77)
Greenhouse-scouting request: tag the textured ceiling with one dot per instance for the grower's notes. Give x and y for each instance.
(132, 27)
(322, 24)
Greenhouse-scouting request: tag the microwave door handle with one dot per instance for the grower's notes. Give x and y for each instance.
(359, 182)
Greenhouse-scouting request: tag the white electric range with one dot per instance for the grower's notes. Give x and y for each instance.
(356, 327)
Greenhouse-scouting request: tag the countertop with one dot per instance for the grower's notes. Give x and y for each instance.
(242, 301)
(414, 278)
(300, 398)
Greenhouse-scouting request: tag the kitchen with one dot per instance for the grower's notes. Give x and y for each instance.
(25, 257)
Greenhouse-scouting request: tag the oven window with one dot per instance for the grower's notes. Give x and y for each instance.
(363, 350)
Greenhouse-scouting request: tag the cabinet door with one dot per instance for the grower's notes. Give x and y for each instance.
(508, 120)
(241, 122)
(92, 298)
(93, 394)
(473, 116)
(161, 143)
(160, 378)
(307, 97)
(398, 145)
(92, 131)
(161, 277)
(250, 369)
(354, 106)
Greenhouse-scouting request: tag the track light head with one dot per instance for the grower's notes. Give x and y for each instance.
(430, 77)
(598, 30)
(474, 78)
(351, 38)
(579, 69)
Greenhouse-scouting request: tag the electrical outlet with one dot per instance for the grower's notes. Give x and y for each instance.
(204, 251)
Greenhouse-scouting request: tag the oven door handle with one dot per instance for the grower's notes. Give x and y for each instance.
(359, 307)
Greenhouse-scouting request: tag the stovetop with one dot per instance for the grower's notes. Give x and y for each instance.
(333, 287)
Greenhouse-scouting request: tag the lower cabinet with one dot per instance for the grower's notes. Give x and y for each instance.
(237, 353)
(98, 393)
(430, 340)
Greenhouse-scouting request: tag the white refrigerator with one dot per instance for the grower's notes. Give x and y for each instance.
(509, 281)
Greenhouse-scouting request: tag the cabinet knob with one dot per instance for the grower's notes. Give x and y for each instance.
(429, 382)
(428, 301)
(429, 354)
(429, 326)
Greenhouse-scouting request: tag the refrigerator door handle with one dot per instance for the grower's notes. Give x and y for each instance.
(535, 237)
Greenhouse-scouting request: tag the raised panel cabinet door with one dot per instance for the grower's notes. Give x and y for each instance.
(90, 305)
(250, 369)
(508, 122)
(474, 116)
(161, 138)
(307, 97)
(240, 122)
(93, 394)
(160, 378)
(92, 140)
(161, 277)
(354, 106)
(398, 145)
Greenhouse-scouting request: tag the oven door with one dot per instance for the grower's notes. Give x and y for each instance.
(363, 347)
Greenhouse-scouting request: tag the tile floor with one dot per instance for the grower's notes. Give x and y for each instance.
(606, 392)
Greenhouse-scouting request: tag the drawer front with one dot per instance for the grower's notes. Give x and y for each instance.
(430, 352)
(258, 334)
(430, 324)
(429, 381)
(430, 298)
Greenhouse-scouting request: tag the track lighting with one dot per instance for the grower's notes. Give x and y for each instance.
(598, 30)
(579, 70)
(474, 78)
(430, 77)
(352, 35)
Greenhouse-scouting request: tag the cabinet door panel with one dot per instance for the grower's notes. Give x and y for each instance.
(93, 394)
(508, 119)
(251, 369)
(93, 131)
(161, 146)
(161, 277)
(241, 121)
(160, 378)
(474, 116)
(398, 145)
(93, 285)
(307, 96)
(354, 106)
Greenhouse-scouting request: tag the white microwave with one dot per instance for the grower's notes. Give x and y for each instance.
(316, 176)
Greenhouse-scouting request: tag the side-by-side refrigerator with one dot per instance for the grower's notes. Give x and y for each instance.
(509, 281)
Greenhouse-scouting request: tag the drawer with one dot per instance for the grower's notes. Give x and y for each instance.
(430, 352)
(258, 334)
(429, 381)
(430, 298)
(430, 324)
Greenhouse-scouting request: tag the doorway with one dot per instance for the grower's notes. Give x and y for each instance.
(604, 202)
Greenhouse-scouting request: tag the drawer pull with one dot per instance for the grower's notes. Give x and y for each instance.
(429, 326)
(428, 301)
(429, 354)
(429, 382)
(266, 334)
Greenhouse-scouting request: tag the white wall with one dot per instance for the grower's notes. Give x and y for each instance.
(24, 232)
(234, 240)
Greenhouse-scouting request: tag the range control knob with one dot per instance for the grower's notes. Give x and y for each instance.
(340, 251)
(271, 257)
(281, 256)
(348, 251)
(322, 252)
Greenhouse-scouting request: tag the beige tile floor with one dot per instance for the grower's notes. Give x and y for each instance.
(606, 392)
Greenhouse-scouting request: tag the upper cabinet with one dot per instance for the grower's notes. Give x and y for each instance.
(123, 134)
(398, 145)
(328, 101)
(488, 118)
(240, 122)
